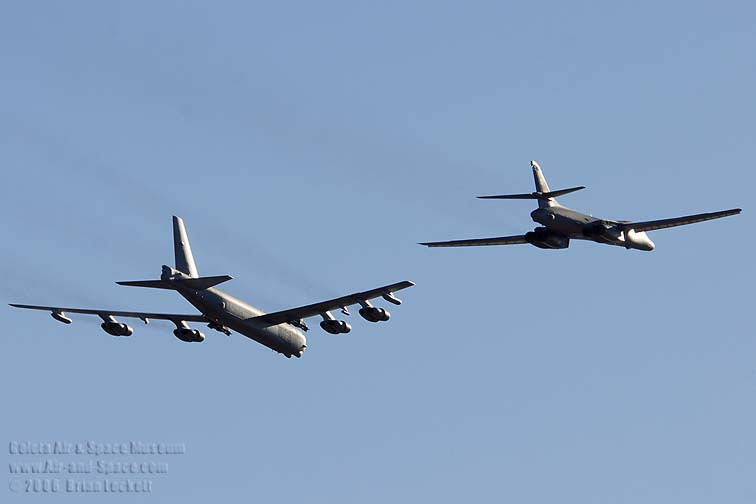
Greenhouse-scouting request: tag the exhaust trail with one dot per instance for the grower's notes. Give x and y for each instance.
(155, 206)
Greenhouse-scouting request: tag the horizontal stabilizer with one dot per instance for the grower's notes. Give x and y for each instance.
(535, 195)
(201, 283)
(153, 284)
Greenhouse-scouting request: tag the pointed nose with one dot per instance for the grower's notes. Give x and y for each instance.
(533, 164)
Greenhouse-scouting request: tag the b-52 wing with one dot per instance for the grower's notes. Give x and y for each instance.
(677, 221)
(501, 240)
(174, 317)
(297, 314)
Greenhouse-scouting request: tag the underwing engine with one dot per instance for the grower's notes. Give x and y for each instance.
(117, 328)
(544, 238)
(602, 232)
(187, 334)
(335, 326)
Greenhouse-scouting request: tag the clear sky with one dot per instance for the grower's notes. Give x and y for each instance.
(309, 146)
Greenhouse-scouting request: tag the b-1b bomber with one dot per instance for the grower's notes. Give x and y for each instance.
(560, 224)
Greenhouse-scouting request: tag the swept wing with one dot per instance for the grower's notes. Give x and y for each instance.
(501, 240)
(174, 317)
(677, 221)
(297, 314)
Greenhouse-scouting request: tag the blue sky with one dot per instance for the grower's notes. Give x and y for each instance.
(309, 146)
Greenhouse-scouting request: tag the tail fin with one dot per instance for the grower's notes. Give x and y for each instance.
(542, 186)
(540, 180)
(544, 195)
(182, 249)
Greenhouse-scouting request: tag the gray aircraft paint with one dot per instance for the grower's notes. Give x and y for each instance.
(562, 224)
(281, 331)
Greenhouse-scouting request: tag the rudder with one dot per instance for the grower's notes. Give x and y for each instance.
(182, 249)
(540, 180)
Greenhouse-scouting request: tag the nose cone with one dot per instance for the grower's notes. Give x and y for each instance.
(533, 164)
(650, 245)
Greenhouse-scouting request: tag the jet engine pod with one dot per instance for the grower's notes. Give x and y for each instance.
(189, 335)
(335, 326)
(117, 329)
(543, 238)
(373, 314)
(602, 232)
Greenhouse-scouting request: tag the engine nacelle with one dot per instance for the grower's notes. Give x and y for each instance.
(541, 237)
(602, 231)
(335, 326)
(189, 335)
(117, 329)
(373, 314)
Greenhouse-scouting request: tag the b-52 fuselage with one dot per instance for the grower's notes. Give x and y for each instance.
(561, 224)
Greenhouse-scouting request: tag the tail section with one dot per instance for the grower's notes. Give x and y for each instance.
(540, 180)
(185, 275)
(542, 186)
(544, 195)
(182, 249)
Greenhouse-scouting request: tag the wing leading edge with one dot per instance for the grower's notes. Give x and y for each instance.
(677, 221)
(501, 240)
(302, 312)
(174, 317)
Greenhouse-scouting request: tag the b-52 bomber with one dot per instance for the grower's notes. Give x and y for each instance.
(282, 331)
(561, 224)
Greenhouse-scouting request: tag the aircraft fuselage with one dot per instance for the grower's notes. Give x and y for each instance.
(579, 226)
(228, 311)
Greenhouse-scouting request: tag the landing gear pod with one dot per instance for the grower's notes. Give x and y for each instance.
(60, 317)
(389, 296)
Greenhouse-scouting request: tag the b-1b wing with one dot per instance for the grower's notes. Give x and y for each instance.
(224, 313)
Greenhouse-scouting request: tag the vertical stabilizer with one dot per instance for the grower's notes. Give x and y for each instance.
(182, 250)
(541, 186)
(540, 180)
